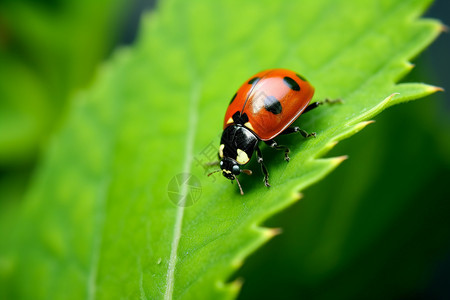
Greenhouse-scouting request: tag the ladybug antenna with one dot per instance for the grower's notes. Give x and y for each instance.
(240, 188)
(214, 172)
(246, 171)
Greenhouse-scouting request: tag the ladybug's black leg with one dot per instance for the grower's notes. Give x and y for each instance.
(318, 103)
(311, 107)
(263, 167)
(298, 129)
(273, 144)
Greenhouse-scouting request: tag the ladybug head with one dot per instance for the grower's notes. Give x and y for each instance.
(230, 168)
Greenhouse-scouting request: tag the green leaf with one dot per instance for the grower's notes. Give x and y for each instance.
(46, 51)
(98, 221)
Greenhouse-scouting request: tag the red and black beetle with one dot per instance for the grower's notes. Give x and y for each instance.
(263, 108)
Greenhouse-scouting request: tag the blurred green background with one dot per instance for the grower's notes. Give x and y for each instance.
(377, 227)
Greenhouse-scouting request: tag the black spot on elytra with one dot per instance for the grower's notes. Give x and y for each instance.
(272, 104)
(301, 77)
(232, 99)
(254, 80)
(291, 83)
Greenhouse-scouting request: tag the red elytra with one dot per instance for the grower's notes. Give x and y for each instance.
(272, 99)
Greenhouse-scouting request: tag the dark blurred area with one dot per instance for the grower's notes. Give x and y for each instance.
(377, 227)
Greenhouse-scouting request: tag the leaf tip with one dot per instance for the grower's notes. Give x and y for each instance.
(338, 160)
(379, 107)
(297, 196)
(388, 101)
(332, 144)
(271, 232)
(363, 124)
(444, 28)
(328, 147)
(391, 96)
(409, 65)
(237, 262)
(236, 285)
(434, 89)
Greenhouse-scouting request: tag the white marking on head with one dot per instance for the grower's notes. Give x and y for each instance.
(221, 150)
(230, 120)
(226, 171)
(242, 157)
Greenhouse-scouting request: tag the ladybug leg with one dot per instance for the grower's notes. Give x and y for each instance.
(298, 129)
(263, 167)
(318, 103)
(274, 145)
(311, 107)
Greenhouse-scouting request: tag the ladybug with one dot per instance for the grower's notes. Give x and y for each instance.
(263, 108)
